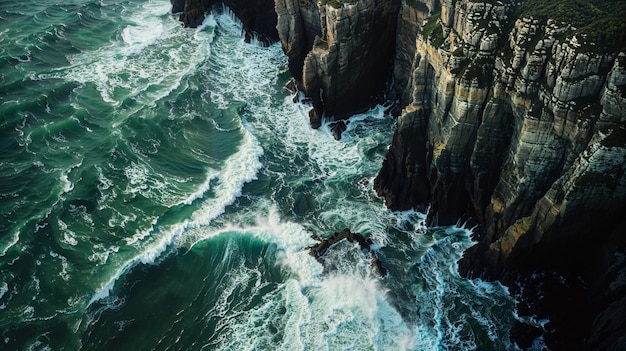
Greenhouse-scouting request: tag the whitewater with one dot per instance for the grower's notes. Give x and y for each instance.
(159, 189)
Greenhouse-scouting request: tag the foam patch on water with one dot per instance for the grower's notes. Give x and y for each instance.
(64, 273)
(241, 168)
(148, 27)
(290, 238)
(150, 61)
(203, 188)
(4, 288)
(9, 241)
(347, 309)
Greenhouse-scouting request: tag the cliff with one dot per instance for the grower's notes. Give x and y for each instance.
(517, 123)
(521, 137)
(340, 54)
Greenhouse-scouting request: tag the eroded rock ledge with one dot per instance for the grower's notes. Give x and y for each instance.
(320, 249)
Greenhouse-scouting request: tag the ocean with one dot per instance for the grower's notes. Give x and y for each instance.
(159, 189)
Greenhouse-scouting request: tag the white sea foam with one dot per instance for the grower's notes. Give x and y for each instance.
(9, 241)
(349, 308)
(291, 240)
(135, 67)
(241, 168)
(67, 185)
(64, 265)
(69, 237)
(4, 288)
(148, 28)
(203, 188)
(340, 312)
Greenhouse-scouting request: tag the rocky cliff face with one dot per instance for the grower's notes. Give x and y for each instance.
(340, 57)
(523, 137)
(258, 17)
(517, 124)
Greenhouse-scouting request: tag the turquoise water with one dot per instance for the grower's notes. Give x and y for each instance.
(158, 190)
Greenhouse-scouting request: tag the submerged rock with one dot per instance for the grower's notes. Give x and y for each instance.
(320, 249)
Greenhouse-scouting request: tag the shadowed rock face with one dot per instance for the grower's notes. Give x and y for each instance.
(522, 130)
(257, 16)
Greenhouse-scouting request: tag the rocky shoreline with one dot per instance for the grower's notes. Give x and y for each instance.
(513, 121)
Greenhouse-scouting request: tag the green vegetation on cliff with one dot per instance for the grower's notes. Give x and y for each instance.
(431, 23)
(603, 21)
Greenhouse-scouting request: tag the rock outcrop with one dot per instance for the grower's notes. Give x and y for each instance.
(340, 54)
(320, 249)
(522, 138)
(516, 123)
(340, 57)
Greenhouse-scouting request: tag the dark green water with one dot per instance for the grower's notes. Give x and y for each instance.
(158, 189)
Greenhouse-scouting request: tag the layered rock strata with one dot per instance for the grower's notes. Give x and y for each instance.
(519, 125)
(523, 138)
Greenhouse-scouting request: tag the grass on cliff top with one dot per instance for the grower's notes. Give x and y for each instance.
(604, 21)
(337, 3)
